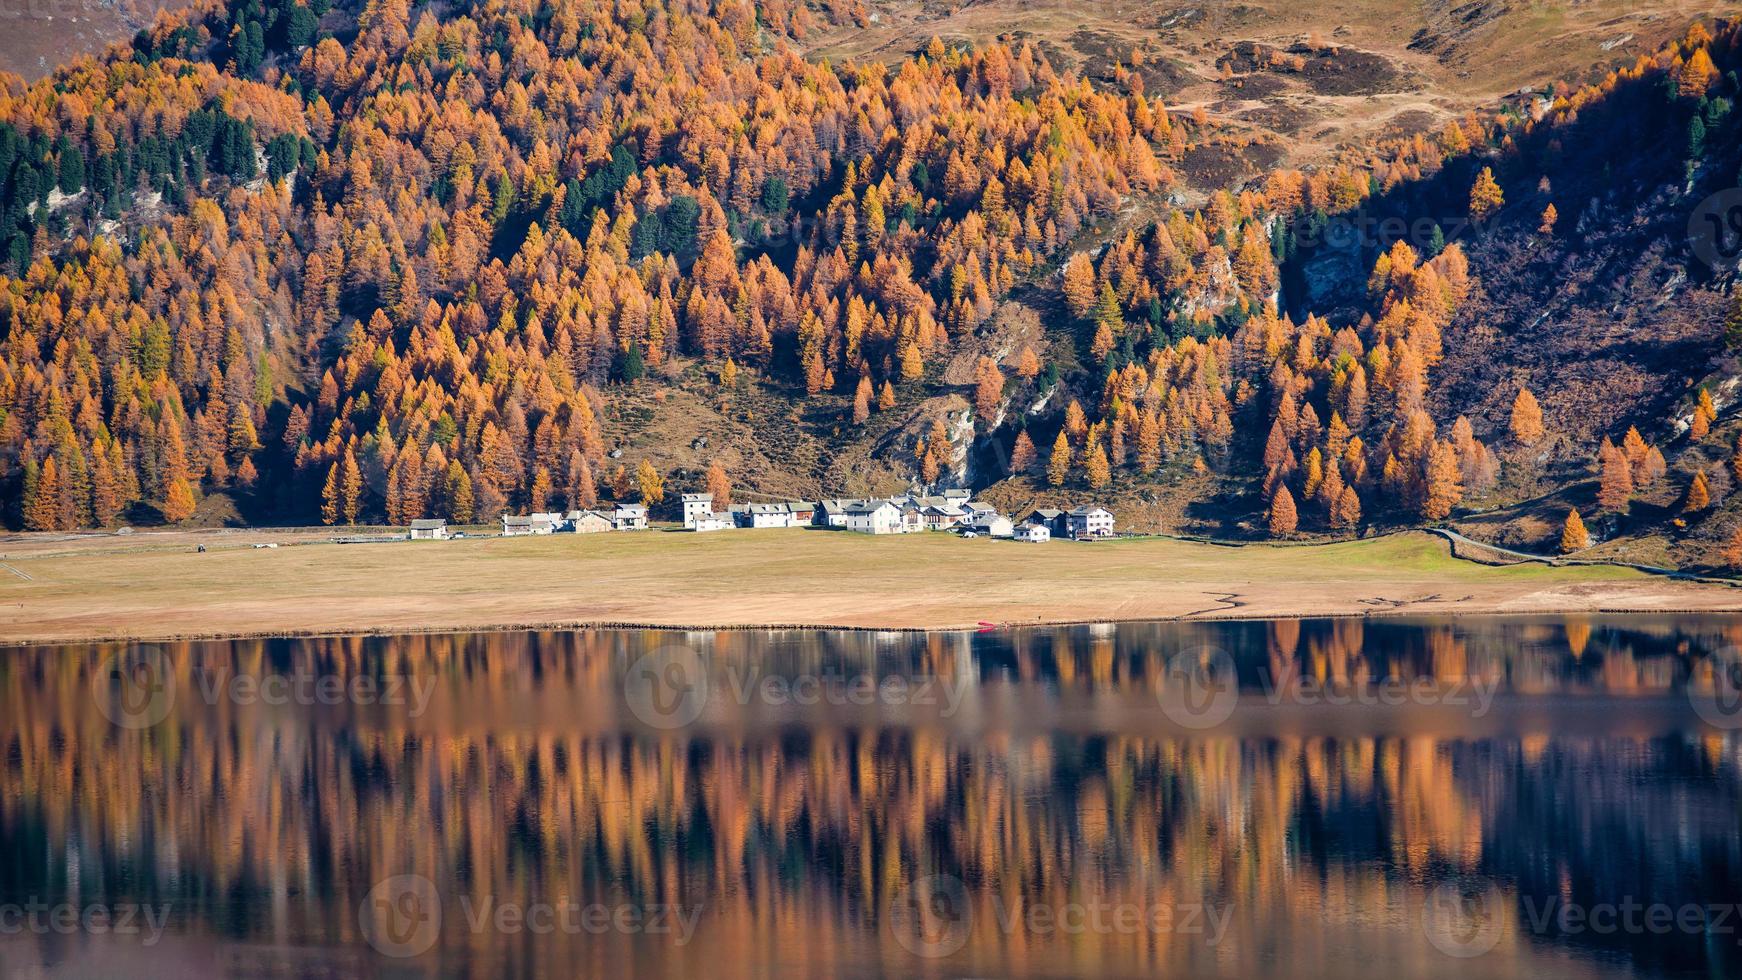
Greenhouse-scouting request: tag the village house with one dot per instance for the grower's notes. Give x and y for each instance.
(832, 513)
(912, 517)
(430, 530)
(515, 525)
(695, 507)
(1034, 533)
(942, 518)
(713, 522)
(873, 517)
(589, 522)
(803, 511)
(1089, 522)
(993, 526)
(1052, 520)
(629, 517)
(979, 510)
(764, 515)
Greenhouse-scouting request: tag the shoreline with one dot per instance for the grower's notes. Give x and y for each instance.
(84, 592)
(593, 625)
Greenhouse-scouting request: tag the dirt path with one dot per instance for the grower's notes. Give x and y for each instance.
(1565, 561)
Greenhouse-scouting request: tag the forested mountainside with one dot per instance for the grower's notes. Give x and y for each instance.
(306, 262)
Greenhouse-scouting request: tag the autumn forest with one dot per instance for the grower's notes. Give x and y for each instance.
(370, 263)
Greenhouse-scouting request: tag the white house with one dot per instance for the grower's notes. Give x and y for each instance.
(832, 513)
(695, 507)
(1034, 533)
(629, 517)
(433, 530)
(1089, 522)
(912, 517)
(764, 515)
(712, 522)
(979, 510)
(874, 517)
(994, 526)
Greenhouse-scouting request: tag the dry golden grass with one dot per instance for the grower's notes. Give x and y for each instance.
(155, 585)
(1457, 55)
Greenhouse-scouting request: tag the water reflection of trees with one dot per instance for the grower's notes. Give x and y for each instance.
(805, 831)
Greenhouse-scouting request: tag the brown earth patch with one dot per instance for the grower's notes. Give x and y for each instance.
(1327, 70)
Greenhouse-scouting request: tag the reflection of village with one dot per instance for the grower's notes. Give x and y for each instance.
(953, 510)
(792, 839)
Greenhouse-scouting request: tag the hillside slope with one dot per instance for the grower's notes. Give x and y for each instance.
(298, 262)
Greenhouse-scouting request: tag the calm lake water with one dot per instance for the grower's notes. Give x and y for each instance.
(1470, 797)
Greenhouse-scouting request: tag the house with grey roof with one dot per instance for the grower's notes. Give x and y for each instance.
(942, 517)
(912, 516)
(1051, 518)
(992, 526)
(429, 530)
(696, 506)
(589, 522)
(764, 515)
(832, 513)
(1089, 522)
(629, 517)
(516, 525)
(874, 517)
(979, 510)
